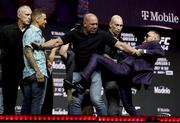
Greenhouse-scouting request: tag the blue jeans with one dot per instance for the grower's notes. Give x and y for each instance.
(95, 95)
(1, 101)
(34, 94)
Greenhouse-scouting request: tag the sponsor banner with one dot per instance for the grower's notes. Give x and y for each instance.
(139, 13)
(161, 90)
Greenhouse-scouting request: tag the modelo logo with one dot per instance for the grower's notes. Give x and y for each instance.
(161, 90)
(159, 17)
(59, 111)
(58, 66)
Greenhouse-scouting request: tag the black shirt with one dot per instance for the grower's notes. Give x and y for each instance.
(113, 52)
(12, 50)
(85, 45)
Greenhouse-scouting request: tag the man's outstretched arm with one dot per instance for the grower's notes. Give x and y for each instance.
(49, 44)
(127, 48)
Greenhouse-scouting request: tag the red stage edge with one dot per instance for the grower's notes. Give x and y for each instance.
(88, 118)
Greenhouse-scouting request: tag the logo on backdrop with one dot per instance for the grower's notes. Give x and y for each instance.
(161, 90)
(163, 111)
(59, 110)
(162, 65)
(130, 38)
(18, 109)
(124, 113)
(59, 90)
(133, 91)
(159, 17)
(58, 65)
(57, 34)
(165, 43)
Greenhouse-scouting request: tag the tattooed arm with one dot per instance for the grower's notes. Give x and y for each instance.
(31, 60)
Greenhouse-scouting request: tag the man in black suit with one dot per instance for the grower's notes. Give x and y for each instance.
(138, 66)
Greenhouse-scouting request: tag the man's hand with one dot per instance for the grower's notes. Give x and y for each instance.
(40, 77)
(139, 52)
(36, 46)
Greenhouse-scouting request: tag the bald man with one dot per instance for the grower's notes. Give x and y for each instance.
(115, 91)
(116, 25)
(86, 41)
(12, 61)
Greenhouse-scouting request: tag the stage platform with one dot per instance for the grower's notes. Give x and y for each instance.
(78, 118)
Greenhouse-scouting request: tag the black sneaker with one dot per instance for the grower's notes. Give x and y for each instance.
(67, 85)
(79, 86)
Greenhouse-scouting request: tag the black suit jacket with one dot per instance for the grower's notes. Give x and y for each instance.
(142, 67)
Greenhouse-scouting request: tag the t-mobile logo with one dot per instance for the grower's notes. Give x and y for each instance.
(145, 14)
(159, 17)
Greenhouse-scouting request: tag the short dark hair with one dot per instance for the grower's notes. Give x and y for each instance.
(37, 13)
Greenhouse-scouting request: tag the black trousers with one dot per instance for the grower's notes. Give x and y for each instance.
(115, 94)
(10, 92)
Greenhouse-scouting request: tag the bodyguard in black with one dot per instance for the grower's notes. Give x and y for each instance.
(12, 65)
(115, 91)
(12, 57)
